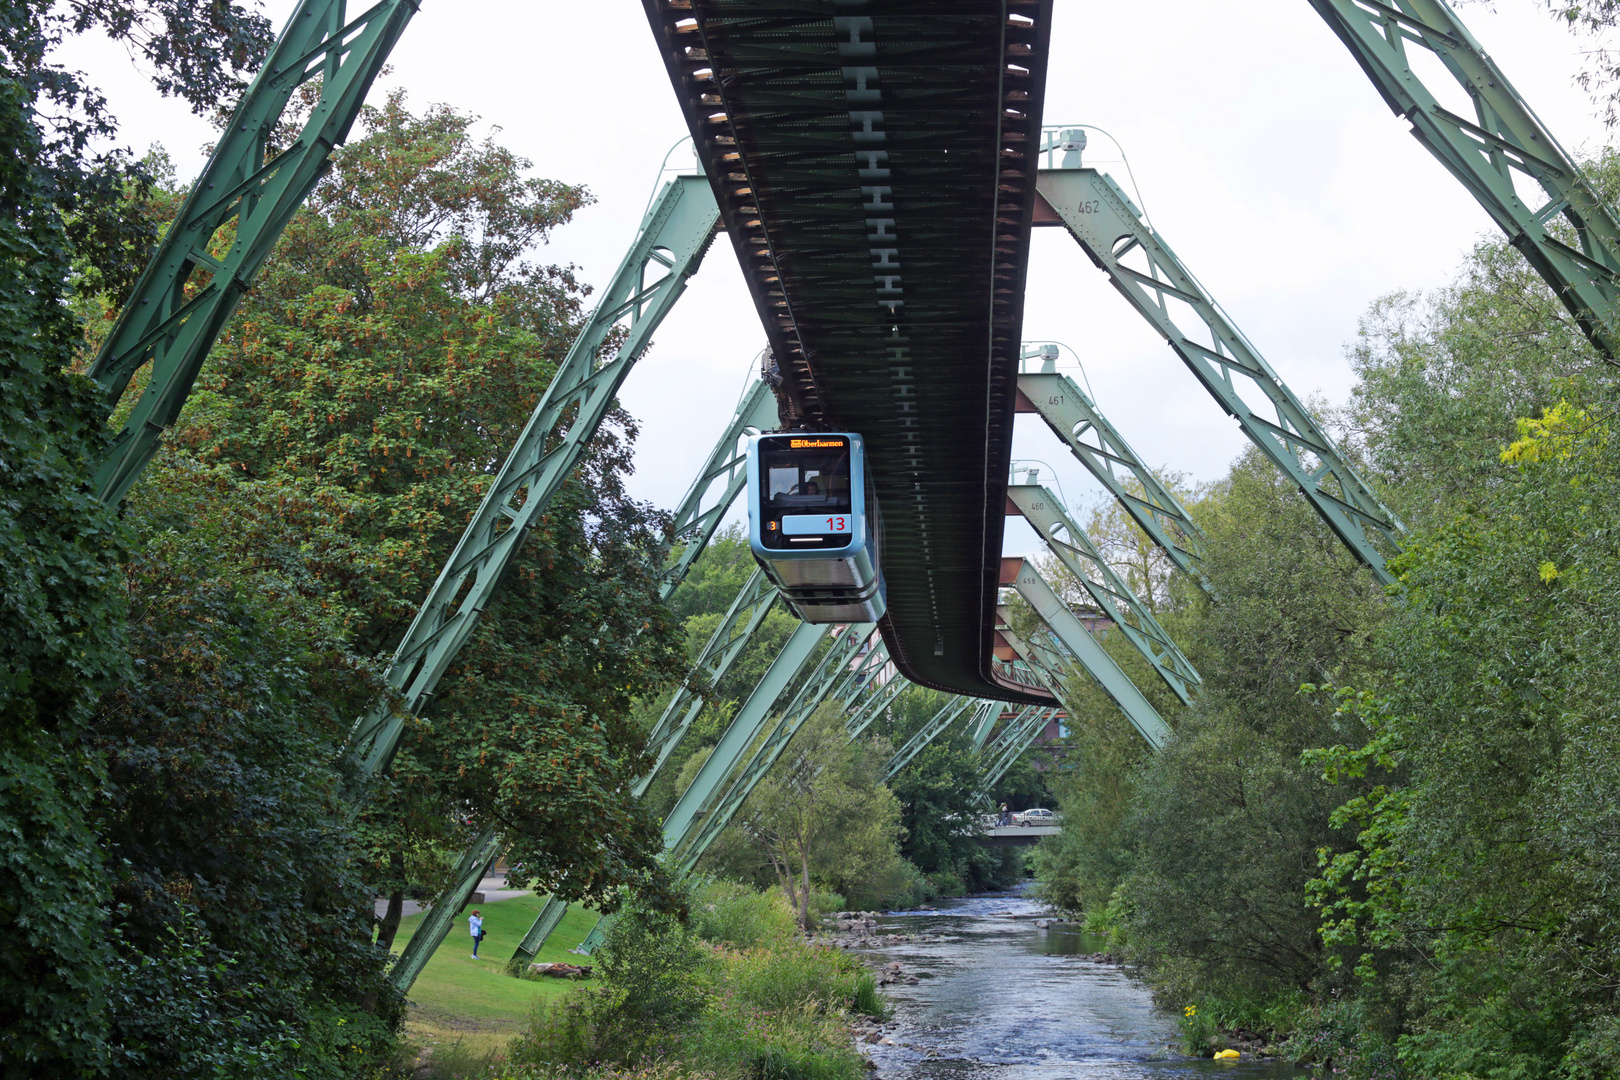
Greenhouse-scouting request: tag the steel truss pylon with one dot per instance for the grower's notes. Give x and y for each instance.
(718, 483)
(246, 195)
(1503, 154)
(931, 729)
(1094, 442)
(1111, 230)
(1021, 575)
(674, 236)
(722, 785)
(1075, 550)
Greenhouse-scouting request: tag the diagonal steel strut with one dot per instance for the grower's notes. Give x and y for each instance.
(246, 195)
(1080, 556)
(1502, 153)
(1111, 230)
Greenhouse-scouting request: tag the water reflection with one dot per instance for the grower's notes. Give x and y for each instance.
(1000, 996)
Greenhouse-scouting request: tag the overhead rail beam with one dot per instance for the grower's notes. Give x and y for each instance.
(1113, 597)
(1501, 152)
(1111, 230)
(1095, 443)
(241, 203)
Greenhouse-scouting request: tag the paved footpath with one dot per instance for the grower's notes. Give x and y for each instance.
(493, 888)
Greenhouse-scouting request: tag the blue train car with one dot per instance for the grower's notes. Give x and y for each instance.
(811, 527)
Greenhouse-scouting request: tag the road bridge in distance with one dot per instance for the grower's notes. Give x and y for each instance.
(1015, 835)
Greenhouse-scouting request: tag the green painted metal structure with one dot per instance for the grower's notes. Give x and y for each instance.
(247, 193)
(936, 725)
(1095, 443)
(1069, 542)
(835, 676)
(673, 239)
(718, 483)
(1021, 575)
(928, 120)
(1111, 230)
(674, 236)
(1503, 154)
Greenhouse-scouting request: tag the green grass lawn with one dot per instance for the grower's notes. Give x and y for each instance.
(456, 994)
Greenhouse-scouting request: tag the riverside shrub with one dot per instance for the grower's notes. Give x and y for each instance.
(685, 1000)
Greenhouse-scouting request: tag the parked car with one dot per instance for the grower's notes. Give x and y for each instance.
(1035, 817)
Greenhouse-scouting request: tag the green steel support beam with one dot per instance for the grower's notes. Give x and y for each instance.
(1080, 556)
(718, 483)
(720, 786)
(1017, 737)
(1111, 230)
(935, 725)
(876, 701)
(834, 677)
(1503, 154)
(1075, 420)
(673, 239)
(736, 630)
(441, 916)
(674, 236)
(695, 522)
(743, 730)
(245, 200)
(1021, 575)
(727, 642)
(984, 720)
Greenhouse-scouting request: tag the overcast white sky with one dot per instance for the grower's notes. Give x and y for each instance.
(1263, 155)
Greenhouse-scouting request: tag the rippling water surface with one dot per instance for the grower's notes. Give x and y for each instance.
(1000, 998)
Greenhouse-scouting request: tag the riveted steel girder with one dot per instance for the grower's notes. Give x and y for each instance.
(673, 238)
(1503, 154)
(721, 785)
(441, 916)
(1009, 745)
(1095, 443)
(736, 630)
(743, 730)
(718, 483)
(834, 676)
(1111, 230)
(935, 725)
(984, 719)
(1080, 556)
(245, 197)
(1021, 575)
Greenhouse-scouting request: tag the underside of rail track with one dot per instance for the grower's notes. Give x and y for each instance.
(875, 171)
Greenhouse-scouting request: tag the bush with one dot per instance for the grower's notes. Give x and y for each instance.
(688, 1001)
(740, 917)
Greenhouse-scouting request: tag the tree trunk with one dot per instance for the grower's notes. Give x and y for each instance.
(804, 894)
(389, 924)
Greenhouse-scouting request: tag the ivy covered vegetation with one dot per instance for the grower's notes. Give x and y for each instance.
(1388, 831)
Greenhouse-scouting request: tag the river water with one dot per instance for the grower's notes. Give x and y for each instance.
(1000, 999)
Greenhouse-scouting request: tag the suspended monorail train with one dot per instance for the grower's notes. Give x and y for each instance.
(811, 526)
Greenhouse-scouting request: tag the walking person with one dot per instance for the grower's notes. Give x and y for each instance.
(475, 924)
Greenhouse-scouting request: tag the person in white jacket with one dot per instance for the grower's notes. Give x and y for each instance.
(475, 924)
